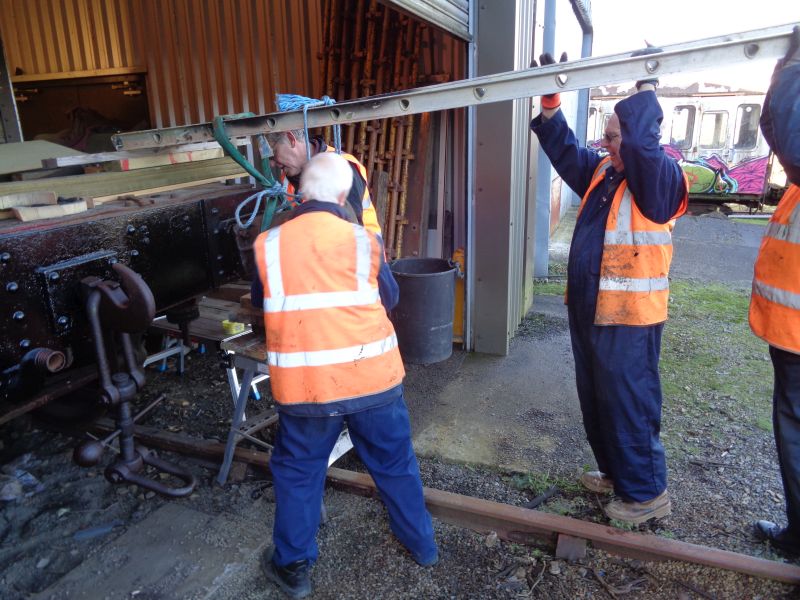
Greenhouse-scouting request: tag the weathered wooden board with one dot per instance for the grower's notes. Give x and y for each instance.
(27, 199)
(104, 185)
(158, 160)
(35, 213)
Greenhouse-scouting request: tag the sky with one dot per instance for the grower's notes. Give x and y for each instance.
(622, 25)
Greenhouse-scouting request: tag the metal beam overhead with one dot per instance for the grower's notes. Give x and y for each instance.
(769, 43)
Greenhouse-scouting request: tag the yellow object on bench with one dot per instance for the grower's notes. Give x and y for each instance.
(232, 327)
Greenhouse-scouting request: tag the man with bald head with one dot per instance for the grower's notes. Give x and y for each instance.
(618, 289)
(325, 287)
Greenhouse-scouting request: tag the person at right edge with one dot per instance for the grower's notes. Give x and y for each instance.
(618, 290)
(775, 301)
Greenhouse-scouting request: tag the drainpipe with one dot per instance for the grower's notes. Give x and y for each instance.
(469, 302)
(584, 17)
(543, 169)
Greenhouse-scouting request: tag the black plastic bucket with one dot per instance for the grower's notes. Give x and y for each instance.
(423, 318)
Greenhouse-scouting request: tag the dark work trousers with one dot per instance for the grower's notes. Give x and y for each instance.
(786, 423)
(616, 371)
(299, 462)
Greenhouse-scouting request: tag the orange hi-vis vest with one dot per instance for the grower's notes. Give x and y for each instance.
(368, 215)
(327, 334)
(637, 252)
(775, 302)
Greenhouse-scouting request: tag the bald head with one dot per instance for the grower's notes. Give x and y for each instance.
(327, 177)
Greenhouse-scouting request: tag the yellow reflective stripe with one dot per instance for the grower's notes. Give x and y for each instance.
(786, 233)
(602, 168)
(272, 257)
(625, 211)
(321, 358)
(638, 238)
(777, 295)
(275, 304)
(630, 284)
(363, 257)
(278, 301)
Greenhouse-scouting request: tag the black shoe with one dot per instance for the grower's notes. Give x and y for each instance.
(780, 539)
(293, 579)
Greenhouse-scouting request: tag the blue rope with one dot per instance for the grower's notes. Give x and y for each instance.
(289, 102)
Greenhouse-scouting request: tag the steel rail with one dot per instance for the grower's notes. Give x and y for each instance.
(512, 523)
(731, 49)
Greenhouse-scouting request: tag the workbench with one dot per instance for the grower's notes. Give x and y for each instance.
(249, 353)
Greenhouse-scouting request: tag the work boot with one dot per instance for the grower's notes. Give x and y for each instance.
(639, 512)
(782, 540)
(597, 482)
(293, 578)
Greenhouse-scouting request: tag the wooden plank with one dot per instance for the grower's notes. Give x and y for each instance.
(157, 160)
(381, 196)
(165, 188)
(27, 199)
(78, 74)
(101, 157)
(231, 292)
(418, 188)
(62, 385)
(106, 186)
(35, 213)
(518, 524)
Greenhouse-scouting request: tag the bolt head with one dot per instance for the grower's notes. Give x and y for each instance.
(12, 286)
(5, 257)
(18, 315)
(53, 276)
(63, 320)
(130, 229)
(24, 344)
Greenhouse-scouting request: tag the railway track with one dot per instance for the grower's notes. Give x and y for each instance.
(511, 523)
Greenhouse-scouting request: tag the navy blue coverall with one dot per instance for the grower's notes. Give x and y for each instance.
(380, 430)
(780, 124)
(616, 366)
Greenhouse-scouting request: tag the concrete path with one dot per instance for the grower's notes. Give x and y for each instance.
(521, 412)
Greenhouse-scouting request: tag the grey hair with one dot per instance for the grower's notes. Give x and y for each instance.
(274, 138)
(325, 177)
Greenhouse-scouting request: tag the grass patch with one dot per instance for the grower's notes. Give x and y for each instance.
(624, 525)
(711, 363)
(546, 287)
(758, 221)
(539, 483)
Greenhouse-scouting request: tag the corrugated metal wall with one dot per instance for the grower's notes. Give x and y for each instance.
(212, 57)
(202, 57)
(59, 36)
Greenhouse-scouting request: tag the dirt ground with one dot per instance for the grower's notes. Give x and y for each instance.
(66, 533)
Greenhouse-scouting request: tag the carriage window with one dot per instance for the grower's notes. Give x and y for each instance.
(682, 130)
(714, 129)
(591, 125)
(746, 136)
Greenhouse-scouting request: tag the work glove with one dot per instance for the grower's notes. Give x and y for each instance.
(644, 52)
(549, 100)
